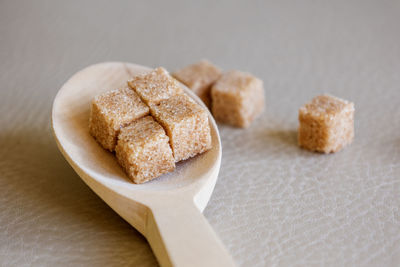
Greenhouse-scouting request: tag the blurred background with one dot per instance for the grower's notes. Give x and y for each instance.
(273, 204)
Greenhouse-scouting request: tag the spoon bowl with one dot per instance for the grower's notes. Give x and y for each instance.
(166, 210)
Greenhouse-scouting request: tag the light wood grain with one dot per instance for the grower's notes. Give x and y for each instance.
(167, 211)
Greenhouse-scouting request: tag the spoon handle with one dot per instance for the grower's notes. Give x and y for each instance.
(180, 236)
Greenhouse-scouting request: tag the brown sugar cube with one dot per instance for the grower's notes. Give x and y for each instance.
(326, 124)
(237, 98)
(143, 150)
(155, 86)
(186, 124)
(111, 111)
(199, 77)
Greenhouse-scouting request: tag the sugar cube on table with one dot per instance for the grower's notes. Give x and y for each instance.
(326, 124)
(237, 98)
(155, 86)
(143, 150)
(199, 77)
(112, 110)
(186, 124)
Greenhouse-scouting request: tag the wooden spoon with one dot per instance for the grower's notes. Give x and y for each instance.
(167, 210)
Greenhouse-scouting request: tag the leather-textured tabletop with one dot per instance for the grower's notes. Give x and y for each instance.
(274, 203)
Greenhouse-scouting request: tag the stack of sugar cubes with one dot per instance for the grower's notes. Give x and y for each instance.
(151, 124)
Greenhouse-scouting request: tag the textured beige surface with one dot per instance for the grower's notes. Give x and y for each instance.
(274, 204)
